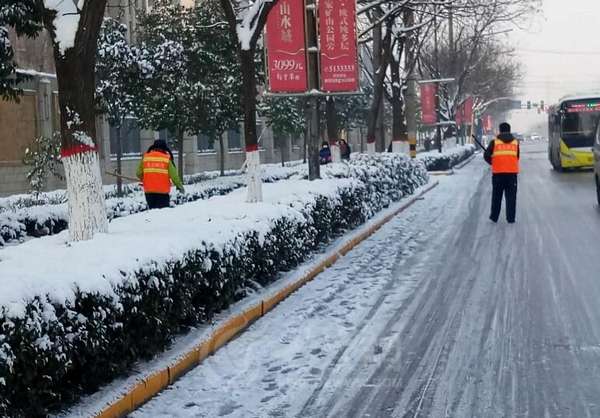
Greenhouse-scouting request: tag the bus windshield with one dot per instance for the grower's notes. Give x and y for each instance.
(579, 124)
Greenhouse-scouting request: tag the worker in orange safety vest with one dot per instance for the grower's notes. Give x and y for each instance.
(503, 155)
(157, 171)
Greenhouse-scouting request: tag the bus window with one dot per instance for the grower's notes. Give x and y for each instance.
(578, 129)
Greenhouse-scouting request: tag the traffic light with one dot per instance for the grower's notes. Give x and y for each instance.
(528, 104)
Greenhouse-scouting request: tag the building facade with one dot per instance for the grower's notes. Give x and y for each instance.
(37, 114)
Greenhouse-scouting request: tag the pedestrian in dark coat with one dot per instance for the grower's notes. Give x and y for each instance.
(325, 153)
(345, 149)
(503, 155)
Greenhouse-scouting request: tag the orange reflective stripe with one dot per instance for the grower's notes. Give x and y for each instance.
(165, 160)
(156, 170)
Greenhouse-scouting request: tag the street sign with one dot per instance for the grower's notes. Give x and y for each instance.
(286, 48)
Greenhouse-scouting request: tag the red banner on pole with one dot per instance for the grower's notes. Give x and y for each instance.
(428, 102)
(488, 124)
(339, 50)
(286, 48)
(460, 118)
(468, 111)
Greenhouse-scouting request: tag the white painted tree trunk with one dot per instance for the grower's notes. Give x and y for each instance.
(254, 177)
(401, 147)
(370, 148)
(336, 153)
(87, 210)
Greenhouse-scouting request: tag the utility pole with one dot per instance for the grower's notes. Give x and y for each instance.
(314, 166)
(411, 95)
(377, 66)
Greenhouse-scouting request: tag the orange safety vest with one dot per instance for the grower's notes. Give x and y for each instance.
(505, 159)
(156, 172)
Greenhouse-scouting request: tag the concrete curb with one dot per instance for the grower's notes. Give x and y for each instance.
(466, 162)
(153, 384)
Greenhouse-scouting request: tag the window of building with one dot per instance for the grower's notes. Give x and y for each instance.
(130, 138)
(235, 139)
(205, 144)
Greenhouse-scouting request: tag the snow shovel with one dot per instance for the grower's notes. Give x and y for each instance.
(477, 142)
(122, 176)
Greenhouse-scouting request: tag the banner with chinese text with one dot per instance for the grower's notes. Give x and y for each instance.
(338, 43)
(286, 48)
(428, 104)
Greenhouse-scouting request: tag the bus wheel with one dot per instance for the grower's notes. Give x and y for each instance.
(558, 163)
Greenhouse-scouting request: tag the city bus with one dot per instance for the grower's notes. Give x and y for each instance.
(572, 129)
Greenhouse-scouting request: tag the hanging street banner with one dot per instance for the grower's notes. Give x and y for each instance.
(488, 124)
(286, 48)
(338, 46)
(428, 104)
(468, 110)
(464, 113)
(460, 115)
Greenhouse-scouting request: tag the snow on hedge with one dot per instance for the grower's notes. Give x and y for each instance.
(34, 219)
(75, 315)
(436, 161)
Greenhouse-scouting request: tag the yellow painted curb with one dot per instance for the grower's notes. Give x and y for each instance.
(150, 386)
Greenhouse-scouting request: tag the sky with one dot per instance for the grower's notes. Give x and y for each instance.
(560, 50)
(560, 53)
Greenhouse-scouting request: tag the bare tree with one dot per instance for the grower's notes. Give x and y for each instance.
(246, 21)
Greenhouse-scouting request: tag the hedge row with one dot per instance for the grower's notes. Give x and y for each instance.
(41, 220)
(435, 161)
(53, 353)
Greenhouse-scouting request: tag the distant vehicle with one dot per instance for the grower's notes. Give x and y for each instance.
(572, 127)
(535, 137)
(597, 162)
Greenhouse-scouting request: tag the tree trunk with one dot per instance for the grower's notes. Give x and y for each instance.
(379, 79)
(222, 155)
(248, 68)
(332, 129)
(314, 165)
(180, 160)
(119, 162)
(399, 134)
(75, 71)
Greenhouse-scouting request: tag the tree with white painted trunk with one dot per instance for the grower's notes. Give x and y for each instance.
(246, 21)
(73, 27)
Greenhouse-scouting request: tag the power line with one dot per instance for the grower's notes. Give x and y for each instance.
(556, 52)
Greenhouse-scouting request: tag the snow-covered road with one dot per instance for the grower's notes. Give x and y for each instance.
(440, 314)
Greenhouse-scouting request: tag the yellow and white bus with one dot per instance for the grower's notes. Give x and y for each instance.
(571, 129)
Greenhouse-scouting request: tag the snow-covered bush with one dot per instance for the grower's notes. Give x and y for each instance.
(55, 348)
(33, 220)
(447, 159)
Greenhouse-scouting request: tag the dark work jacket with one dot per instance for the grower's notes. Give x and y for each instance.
(487, 156)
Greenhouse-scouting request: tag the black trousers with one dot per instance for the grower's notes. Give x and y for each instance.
(504, 185)
(157, 200)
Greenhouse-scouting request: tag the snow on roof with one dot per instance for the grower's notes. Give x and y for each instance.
(66, 21)
(51, 266)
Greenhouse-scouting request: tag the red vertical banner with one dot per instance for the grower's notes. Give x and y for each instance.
(286, 48)
(428, 102)
(488, 124)
(339, 50)
(460, 117)
(468, 111)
